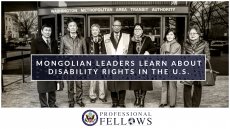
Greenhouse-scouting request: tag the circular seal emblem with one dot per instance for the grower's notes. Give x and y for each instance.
(131, 121)
(89, 117)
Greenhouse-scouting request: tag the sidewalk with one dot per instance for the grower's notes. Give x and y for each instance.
(25, 95)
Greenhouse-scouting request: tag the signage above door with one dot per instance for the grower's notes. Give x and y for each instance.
(114, 10)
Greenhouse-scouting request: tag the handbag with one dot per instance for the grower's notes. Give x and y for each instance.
(210, 76)
(60, 86)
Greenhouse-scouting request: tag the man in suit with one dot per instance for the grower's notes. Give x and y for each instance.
(73, 43)
(117, 43)
(45, 45)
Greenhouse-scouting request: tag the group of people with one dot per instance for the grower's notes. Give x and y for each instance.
(118, 43)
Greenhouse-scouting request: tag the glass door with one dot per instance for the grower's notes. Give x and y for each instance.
(179, 23)
(152, 27)
(103, 21)
(51, 20)
(79, 19)
(127, 22)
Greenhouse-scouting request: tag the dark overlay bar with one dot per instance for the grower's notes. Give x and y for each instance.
(118, 67)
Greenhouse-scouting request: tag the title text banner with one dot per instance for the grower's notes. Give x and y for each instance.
(118, 67)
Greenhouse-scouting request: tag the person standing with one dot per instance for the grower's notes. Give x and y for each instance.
(194, 45)
(45, 45)
(95, 45)
(169, 88)
(141, 44)
(73, 43)
(117, 43)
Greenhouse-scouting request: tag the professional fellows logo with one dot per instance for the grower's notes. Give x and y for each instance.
(125, 118)
(89, 117)
(117, 118)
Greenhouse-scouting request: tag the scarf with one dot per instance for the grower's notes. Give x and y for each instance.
(171, 42)
(193, 43)
(140, 41)
(167, 46)
(136, 38)
(99, 40)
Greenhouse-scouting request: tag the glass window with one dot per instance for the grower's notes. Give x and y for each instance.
(152, 28)
(177, 23)
(151, 25)
(80, 23)
(104, 23)
(127, 23)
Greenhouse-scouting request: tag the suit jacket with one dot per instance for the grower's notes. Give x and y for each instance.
(115, 86)
(39, 46)
(114, 41)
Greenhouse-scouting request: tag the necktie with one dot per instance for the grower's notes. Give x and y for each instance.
(117, 38)
(49, 44)
(95, 40)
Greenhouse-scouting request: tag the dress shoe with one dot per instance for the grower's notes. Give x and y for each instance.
(92, 100)
(71, 105)
(162, 105)
(137, 98)
(81, 104)
(122, 105)
(142, 103)
(103, 100)
(142, 100)
(54, 106)
(137, 102)
(44, 106)
(114, 105)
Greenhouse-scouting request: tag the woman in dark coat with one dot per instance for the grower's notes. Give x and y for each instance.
(45, 45)
(194, 45)
(141, 44)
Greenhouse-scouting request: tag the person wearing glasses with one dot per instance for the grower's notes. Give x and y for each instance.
(169, 88)
(73, 43)
(141, 45)
(95, 45)
(194, 45)
(117, 43)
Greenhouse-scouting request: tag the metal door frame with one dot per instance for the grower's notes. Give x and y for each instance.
(90, 16)
(55, 20)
